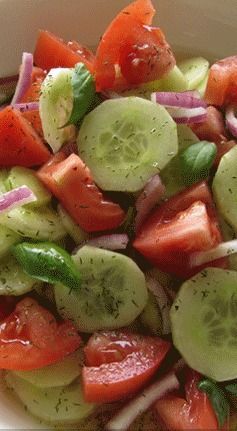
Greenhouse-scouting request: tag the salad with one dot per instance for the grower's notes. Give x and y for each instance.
(118, 221)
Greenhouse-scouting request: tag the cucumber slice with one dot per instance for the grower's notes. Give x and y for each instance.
(224, 187)
(203, 85)
(125, 141)
(204, 323)
(3, 181)
(55, 107)
(7, 239)
(19, 176)
(174, 81)
(62, 405)
(172, 175)
(40, 224)
(60, 374)
(13, 280)
(151, 316)
(74, 230)
(113, 291)
(195, 70)
(228, 234)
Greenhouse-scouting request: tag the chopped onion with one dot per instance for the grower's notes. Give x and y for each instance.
(187, 116)
(222, 250)
(16, 197)
(30, 106)
(142, 402)
(162, 300)
(24, 80)
(179, 100)
(231, 120)
(110, 242)
(149, 197)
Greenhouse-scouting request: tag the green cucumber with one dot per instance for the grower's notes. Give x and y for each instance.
(62, 373)
(125, 141)
(172, 174)
(7, 238)
(224, 187)
(151, 316)
(228, 235)
(40, 224)
(112, 294)
(201, 88)
(74, 230)
(195, 70)
(3, 181)
(13, 280)
(55, 107)
(173, 81)
(62, 405)
(19, 176)
(204, 323)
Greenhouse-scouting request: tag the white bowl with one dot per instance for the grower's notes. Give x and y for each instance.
(206, 27)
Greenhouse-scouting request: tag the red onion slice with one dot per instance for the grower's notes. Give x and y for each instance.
(222, 250)
(24, 80)
(149, 197)
(16, 197)
(142, 402)
(110, 242)
(30, 106)
(178, 100)
(163, 302)
(187, 116)
(231, 120)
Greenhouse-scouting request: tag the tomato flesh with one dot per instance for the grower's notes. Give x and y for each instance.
(120, 364)
(31, 338)
(222, 82)
(184, 224)
(71, 182)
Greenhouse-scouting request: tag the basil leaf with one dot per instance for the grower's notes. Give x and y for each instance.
(83, 88)
(217, 398)
(47, 262)
(232, 388)
(197, 160)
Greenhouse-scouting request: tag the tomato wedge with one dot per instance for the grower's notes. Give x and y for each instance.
(51, 51)
(193, 413)
(131, 52)
(184, 224)
(30, 338)
(19, 143)
(222, 82)
(119, 364)
(71, 182)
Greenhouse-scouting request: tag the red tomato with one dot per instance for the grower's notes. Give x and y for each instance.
(31, 338)
(119, 364)
(7, 305)
(222, 82)
(139, 52)
(71, 182)
(33, 93)
(193, 413)
(184, 224)
(213, 130)
(51, 51)
(19, 143)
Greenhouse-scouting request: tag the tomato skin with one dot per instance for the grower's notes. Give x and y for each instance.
(222, 82)
(31, 338)
(71, 182)
(123, 363)
(184, 224)
(193, 413)
(125, 37)
(51, 51)
(19, 143)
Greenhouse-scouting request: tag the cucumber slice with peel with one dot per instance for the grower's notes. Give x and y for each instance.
(112, 294)
(7, 238)
(3, 181)
(125, 141)
(195, 70)
(74, 230)
(224, 187)
(62, 373)
(55, 107)
(19, 176)
(13, 280)
(62, 405)
(204, 323)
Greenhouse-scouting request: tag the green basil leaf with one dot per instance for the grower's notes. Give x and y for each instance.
(83, 88)
(217, 398)
(231, 388)
(197, 160)
(47, 262)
